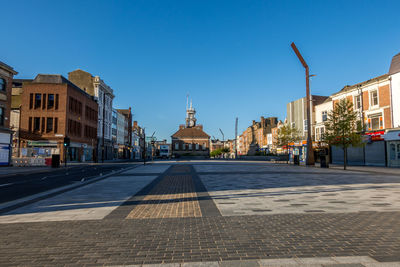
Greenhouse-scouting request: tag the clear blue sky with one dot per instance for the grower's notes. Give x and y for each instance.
(232, 57)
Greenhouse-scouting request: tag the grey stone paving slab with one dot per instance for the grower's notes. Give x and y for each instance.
(201, 264)
(90, 202)
(276, 190)
(354, 259)
(344, 265)
(250, 263)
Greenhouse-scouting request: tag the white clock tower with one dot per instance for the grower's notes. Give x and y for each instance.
(190, 118)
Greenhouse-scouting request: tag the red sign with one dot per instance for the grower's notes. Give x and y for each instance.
(376, 136)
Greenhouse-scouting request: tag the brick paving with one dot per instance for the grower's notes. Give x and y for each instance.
(212, 237)
(173, 197)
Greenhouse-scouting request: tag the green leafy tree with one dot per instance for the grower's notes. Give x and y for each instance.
(287, 134)
(343, 128)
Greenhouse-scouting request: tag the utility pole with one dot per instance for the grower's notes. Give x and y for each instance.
(310, 152)
(104, 120)
(144, 146)
(236, 128)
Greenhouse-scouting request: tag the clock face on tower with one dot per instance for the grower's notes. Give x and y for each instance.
(191, 123)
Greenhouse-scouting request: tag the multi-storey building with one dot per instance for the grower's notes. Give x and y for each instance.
(392, 137)
(53, 108)
(137, 140)
(124, 133)
(372, 101)
(104, 96)
(6, 77)
(297, 118)
(321, 116)
(254, 138)
(190, 139)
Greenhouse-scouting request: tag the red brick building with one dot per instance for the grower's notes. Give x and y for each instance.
(190, 139)
(6, 77)
(53, 108)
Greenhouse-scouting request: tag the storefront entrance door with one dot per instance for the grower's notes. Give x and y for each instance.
(394, 153)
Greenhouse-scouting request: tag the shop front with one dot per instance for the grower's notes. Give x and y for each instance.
(40, 149)
(5, 145)
(392, 138)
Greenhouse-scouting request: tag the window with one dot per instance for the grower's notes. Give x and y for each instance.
(44, 101)
(49, 124)
(2, 84)
(56, 101)
(38, 100)
(324, 115)
(176, 146)
(374, 98)
(197, 146)
(317, 134)
(357, 101)
(43, 122)
(375, 122)
(36, 124)
(30, 101)
(55, 125)
(190, 146)
(30, 125)
(50, 101)
(305, 125)
(1, 116)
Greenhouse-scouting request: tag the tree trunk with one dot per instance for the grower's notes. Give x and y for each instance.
(287, 153)
(344, 158)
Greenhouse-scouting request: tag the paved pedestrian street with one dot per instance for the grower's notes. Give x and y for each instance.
(210, 213)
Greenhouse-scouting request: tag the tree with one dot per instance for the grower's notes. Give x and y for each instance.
(343, 128)
(287, 134)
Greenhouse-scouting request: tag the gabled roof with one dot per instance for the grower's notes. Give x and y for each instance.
(351, 87)
(193, 132)
(395, 65)
(8, 68)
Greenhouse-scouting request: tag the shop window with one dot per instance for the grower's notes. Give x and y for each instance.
(398, 151)
(2, 84)
(38, 100)
(50, 101)
(49, 125)
(392, 152)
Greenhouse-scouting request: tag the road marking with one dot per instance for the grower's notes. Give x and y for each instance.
(5, 184)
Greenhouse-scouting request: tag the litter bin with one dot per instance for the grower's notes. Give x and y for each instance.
(296, 160)
(322, 159)
(55, 161)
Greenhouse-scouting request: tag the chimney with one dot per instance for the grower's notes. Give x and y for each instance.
(134, 124)
(254, 122)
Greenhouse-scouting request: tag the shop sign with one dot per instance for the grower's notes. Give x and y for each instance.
(376, 136)
(392, 136)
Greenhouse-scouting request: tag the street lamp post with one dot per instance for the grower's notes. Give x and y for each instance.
(310, 152)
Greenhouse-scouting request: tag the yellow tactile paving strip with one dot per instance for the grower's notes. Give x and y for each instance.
(173, 197)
